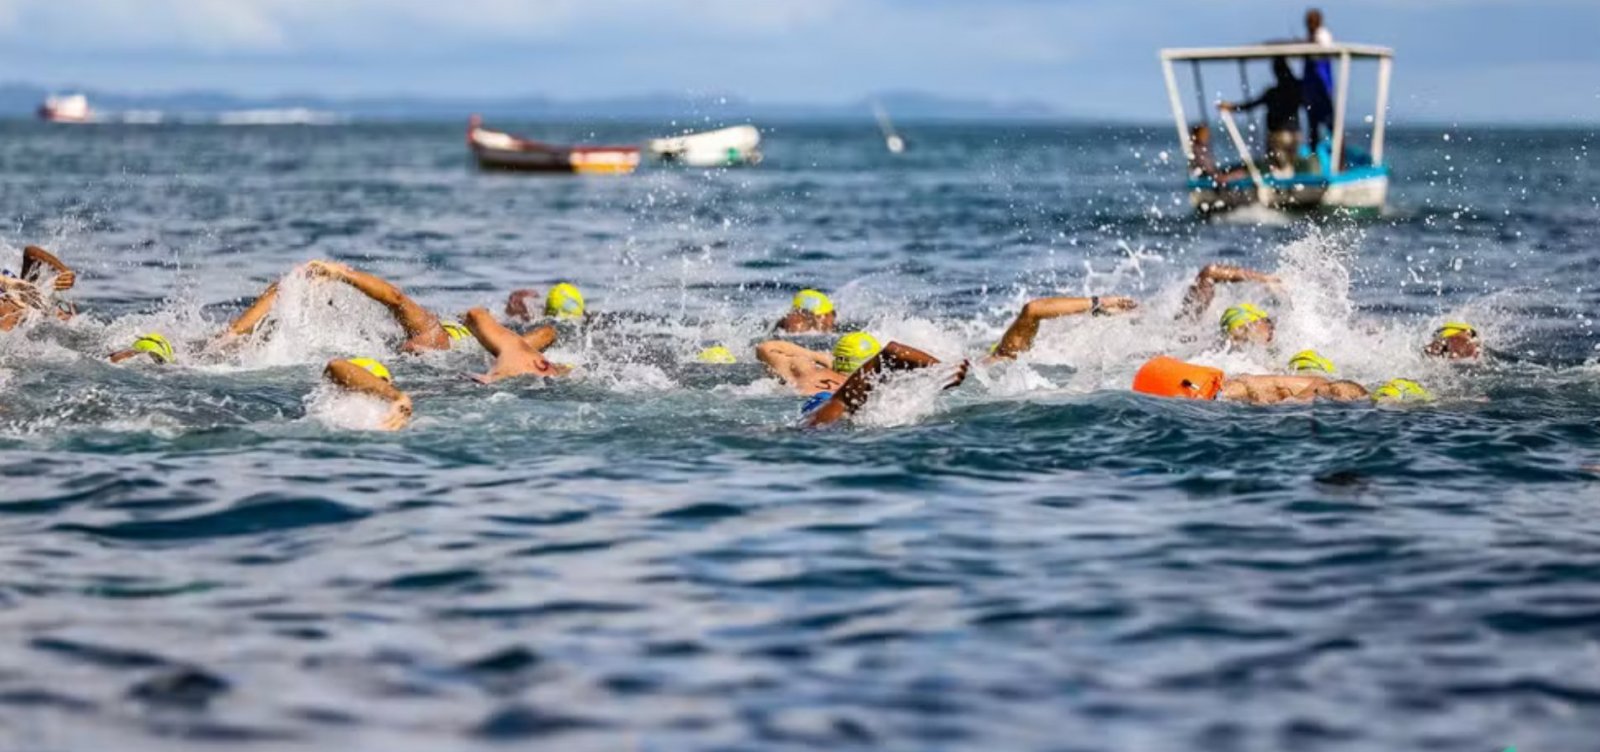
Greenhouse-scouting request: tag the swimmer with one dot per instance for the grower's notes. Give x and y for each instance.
(1247, 324)
(22, 295)
(423, 329)
(1169, 377)
(1204, 291)
(564, 302)
(1311, 362)
(515, 354)
(810, 372)
(825, 408)
(154, 345)
(369, 377)
(1019, 336)
(1454, 341)
(811, 311)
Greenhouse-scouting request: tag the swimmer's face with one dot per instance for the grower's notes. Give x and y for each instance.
(1253, 333)
(1460, 346)
(797, 322)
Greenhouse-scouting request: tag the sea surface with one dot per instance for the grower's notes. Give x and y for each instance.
(650, 555)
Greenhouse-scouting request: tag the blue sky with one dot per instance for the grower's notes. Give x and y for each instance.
(1458, 60)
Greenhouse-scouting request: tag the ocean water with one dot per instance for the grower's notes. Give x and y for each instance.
(650, 555)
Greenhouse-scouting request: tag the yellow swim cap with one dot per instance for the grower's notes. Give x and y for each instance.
(1401, 390)
(156, 345)
(813, 301)
(1308, 361)
(373, 367)
(1452, 328)
(456, 331)
(716, 354)
(564, 301)
(853, 351)
(1241, 315)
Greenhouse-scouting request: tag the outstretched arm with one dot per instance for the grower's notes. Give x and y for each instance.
(34, 262)
(1019, 337)
(853, 395)
(1204, 289)
(422, 328)
(347, 375)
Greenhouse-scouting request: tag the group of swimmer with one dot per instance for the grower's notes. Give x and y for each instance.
(835, 384)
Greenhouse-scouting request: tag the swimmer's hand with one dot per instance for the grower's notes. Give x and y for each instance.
(399, 414)
(960, 375)
(321, 269)
(65, 280)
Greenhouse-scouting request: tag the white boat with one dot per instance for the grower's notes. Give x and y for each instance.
(725, 147)
(1340, 176)
(70, 108)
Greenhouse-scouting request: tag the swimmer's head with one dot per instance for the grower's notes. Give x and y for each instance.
(158, 347)
(564, 302)
(1401, 390)
(716, 354)
(1454, 341)
(1246, 323)
(373, 367)
(853, 351)
(1309, 361)
(456, 331)
(811, 311)
(520, 304)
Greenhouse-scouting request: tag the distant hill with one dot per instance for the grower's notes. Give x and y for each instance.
(20, 100)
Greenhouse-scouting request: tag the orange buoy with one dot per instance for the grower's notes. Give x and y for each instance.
(1169, 377)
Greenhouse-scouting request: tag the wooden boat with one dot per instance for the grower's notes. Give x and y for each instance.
(495, 150)
(725, 147)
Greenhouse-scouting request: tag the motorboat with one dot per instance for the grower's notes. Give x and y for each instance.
(724, 147)
(69, 108)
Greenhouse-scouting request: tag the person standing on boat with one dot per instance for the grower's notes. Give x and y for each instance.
(1283, 102)
(1317, 80)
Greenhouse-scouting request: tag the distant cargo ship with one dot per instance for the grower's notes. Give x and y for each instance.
(71, 108)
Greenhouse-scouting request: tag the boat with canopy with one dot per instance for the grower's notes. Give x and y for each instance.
(1338, 175)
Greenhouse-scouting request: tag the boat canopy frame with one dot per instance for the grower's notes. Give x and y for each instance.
(1343, 52)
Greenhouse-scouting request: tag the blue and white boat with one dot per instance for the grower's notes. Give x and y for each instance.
(1338, 176)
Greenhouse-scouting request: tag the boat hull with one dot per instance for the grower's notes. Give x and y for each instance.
(496, 151)
(1360, 190)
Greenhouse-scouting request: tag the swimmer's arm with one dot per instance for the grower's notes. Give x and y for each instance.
(421, 326)
(541, 338)
(1204, 290)
(34, 257)
(1020, 335)
(121, 355)
(347, 375)
(853, 395)
(789, 361)
(252, 316)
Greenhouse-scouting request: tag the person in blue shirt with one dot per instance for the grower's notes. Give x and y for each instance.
(1316, 81)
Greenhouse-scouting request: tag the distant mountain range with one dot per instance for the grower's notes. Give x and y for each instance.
(21, 100)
